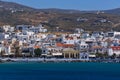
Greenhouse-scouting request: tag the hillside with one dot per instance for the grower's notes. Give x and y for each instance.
(114, 11)
(14, 6)
(66, 20)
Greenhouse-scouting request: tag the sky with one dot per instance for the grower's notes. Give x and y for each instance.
(71, 4)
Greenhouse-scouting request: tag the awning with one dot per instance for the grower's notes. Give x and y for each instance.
(92, 56)
(57, 54)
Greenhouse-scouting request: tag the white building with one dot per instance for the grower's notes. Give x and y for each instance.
(82, 46)
(6, 27)
(114, 50)
(38, 29)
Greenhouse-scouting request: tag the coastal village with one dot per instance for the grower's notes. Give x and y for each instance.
(60, 39)
(26, 41)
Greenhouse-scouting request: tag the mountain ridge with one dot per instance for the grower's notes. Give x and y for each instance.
(20, 6)
(67, 20)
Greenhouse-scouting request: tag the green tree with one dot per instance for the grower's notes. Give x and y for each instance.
(38, 52)
(106, 55)
(99, 55)
(17, 51)
(114, 56)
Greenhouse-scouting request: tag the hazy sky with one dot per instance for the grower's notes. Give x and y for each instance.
(71, 4)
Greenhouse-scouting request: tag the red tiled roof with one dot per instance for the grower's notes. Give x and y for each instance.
(96, 47)
(69, 38)
(64, 45)
(59, 44)
(115, 47)
(68, 45)
(36, 47)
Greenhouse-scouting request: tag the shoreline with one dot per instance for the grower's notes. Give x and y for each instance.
(54, 60)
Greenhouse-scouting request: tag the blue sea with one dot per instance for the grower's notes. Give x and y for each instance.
(59, 71)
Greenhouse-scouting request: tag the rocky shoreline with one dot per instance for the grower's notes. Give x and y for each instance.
(3, 60)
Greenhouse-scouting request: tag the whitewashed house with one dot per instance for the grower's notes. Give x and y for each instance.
(6, 27)
(82, 46)
(84, 56)
(23, 27)
(114, 50)
(38, 29)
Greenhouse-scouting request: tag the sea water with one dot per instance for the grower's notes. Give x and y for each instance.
(59, 71)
